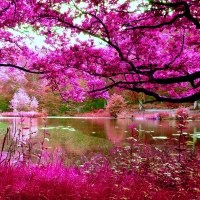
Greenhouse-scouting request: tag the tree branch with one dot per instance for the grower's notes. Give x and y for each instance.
(22, 69)
(155, 26)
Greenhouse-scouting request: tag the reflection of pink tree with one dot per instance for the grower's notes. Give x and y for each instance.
(116, 132)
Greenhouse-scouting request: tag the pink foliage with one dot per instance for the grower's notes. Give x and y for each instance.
(163, 115)
(33, 104)
(139, 51)
(115, 105)
(182, 112)
(96, 179)
(99, 113)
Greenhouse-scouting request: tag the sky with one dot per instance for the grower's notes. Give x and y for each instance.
(38, 41)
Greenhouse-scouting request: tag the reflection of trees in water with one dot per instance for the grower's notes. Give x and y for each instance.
(87, 126)
(92, 132)
(94, 126)
(23, 129)
(74, 142)
(117, 130)
(18, 144)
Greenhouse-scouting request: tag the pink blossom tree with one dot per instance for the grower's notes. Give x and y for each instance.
(155, 45)
(115, 105)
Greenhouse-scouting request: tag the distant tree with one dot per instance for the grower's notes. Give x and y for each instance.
(21, 101)
(115, 105)
(49, 102)
(33, 104)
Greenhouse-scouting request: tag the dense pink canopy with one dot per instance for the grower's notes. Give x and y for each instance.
(154, 48)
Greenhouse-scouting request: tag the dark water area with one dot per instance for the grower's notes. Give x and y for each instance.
(82, 134)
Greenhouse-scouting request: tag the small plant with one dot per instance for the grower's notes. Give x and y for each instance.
(19, 146)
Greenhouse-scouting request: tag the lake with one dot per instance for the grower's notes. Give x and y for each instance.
(79, 135)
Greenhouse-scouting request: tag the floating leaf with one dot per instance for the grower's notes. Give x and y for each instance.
(160, 137)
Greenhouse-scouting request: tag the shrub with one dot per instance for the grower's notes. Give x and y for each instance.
(163, 115)
(182, 112)
(101, 111)
(196, 116)
(115, 105)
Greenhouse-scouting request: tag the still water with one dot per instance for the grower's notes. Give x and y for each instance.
(83, 134)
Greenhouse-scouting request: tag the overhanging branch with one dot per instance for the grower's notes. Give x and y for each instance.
(22, 69)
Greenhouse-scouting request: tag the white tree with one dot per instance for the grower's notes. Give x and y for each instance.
(22, 102)
(34, 104)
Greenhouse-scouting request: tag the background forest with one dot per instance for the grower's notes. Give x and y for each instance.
(51, 102)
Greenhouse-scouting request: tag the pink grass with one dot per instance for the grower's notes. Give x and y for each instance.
(60, 183)
(113, 176)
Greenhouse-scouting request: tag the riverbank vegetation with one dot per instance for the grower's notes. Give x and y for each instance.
(53, 105)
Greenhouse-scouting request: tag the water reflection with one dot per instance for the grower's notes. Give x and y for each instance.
(17, 144)
(116, 130)
(81, 134)
(22, 129)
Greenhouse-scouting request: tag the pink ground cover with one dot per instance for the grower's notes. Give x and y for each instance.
(62, 183)
(97, 113)
(23, 114)
(131, 172)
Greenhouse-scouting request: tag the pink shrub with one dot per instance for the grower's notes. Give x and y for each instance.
(196, 116)
(163, 115)
(91, 114)
(182, 112)
(115, 105)
(101, 111)
(97, 179)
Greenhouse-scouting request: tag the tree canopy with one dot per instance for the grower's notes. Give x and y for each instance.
(150, 47)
